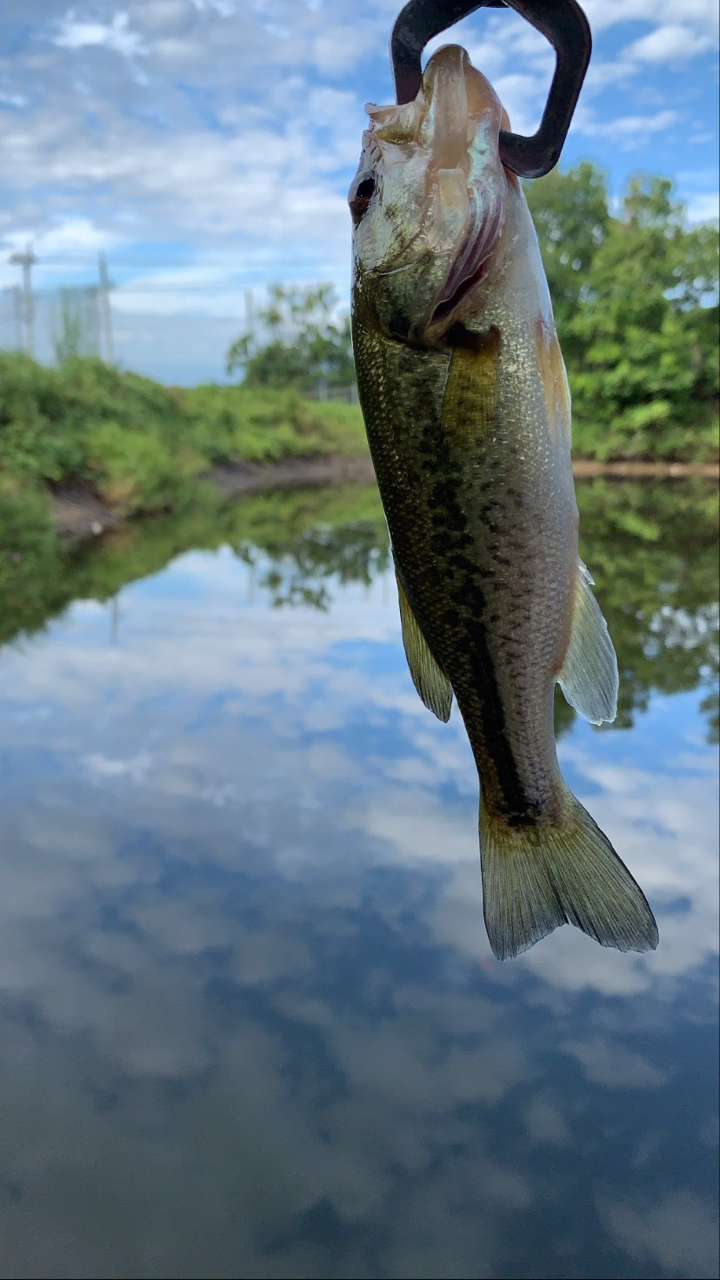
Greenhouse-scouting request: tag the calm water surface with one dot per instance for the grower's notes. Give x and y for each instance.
(251, 1024)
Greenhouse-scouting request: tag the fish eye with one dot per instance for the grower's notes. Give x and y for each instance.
(361, 193)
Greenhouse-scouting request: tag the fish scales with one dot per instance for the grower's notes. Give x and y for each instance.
(465, 552)
(467, 411)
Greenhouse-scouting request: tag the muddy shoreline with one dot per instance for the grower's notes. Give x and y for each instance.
(79, 514)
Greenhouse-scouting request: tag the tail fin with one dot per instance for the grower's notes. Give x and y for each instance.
(567, 872)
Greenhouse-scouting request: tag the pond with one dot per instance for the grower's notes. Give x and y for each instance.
(250, 1022)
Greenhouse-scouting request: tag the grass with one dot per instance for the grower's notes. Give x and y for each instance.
(139, 445)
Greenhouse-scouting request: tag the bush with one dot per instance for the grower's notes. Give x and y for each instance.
(140, 444)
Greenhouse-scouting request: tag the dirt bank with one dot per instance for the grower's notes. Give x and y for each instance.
(584, 468)
(78, 514)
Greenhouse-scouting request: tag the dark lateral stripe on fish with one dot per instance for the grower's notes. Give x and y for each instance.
(450, 543)
(450, 567)
(469, 412)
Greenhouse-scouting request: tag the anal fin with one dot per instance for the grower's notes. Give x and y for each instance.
(431, 683)
(589, 674)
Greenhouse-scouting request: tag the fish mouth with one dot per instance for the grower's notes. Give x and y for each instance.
(470, 262)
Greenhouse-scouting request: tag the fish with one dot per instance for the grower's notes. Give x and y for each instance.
(467, 409)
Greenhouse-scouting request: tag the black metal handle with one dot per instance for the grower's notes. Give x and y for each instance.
(562, 22)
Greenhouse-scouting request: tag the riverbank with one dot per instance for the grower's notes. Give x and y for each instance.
(78, 513)
(120, 445)
(638, 536)
(86, 446)
(588, 468)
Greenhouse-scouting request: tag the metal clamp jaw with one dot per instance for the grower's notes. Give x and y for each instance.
(561, 21)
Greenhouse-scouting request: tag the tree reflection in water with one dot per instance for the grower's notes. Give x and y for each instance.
(651, 547)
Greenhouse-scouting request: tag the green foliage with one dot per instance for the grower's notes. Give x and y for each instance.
(140, 470)
(653, 551)
(28, 555)
(138, 444)
(571, 216)
(635, 300)
(296, 342)
(261, 425)
(30, 407)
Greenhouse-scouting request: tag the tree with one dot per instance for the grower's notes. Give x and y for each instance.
(297, 343)
(635, 298)
(571, 216)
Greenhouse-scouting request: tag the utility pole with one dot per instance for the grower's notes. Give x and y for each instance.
(26, 261)
(17, 313)
(105, 313)
(92, 313)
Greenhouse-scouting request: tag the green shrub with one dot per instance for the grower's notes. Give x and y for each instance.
(139, 470)
(140, 444)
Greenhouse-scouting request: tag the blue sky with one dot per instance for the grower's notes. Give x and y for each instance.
(207, 145)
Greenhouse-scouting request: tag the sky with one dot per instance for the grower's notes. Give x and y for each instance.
(206, 146)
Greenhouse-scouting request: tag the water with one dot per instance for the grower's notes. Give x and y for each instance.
(251, 1025)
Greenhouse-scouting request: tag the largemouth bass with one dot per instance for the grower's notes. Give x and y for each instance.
(467, 408)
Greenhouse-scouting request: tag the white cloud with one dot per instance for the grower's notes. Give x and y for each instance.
(627, 133)
(154, 16)
(614, 1065)
(136, 768)
(74, 237)
(698, 15)
(545, 1123)
(679, 1232)
(337, 48)
(628, 128)
(243, 128)
(225, 943)
(669, 43)
(74, 33)
(702, 206)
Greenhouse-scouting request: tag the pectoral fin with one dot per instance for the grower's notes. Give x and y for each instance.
(589, 674)
(469, 409)
(432, 685)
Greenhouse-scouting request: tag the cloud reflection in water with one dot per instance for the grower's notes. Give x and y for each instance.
(251, 1021)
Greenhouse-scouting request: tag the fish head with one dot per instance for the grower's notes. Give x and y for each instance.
(428, 201)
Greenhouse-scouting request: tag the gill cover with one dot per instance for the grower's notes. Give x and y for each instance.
(428, 199)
